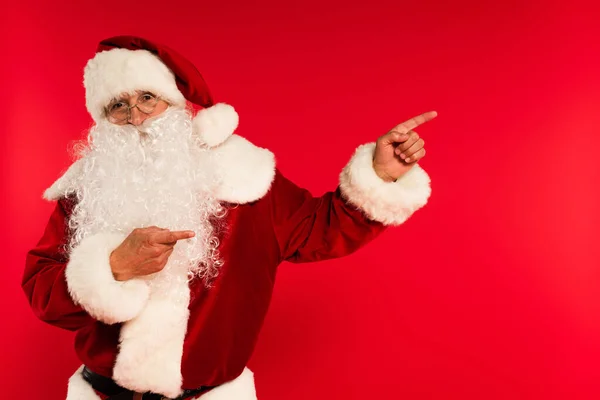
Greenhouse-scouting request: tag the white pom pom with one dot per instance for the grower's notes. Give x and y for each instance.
(216, 124)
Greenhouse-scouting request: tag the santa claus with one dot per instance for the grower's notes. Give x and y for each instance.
(168, 229)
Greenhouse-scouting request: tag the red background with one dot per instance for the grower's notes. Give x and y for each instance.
(489, 292)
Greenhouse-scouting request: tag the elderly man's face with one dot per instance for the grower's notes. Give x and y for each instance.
(135, 108)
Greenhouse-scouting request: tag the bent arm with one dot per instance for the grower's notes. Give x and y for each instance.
(44, 280)
(72, 290)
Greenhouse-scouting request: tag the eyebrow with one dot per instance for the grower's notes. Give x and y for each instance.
(115, 100)
(141, 93)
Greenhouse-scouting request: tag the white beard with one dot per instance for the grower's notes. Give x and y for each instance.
(162, 177)
(156, 178)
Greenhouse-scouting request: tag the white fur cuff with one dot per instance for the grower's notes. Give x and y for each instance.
(92, 285)
(390, 203)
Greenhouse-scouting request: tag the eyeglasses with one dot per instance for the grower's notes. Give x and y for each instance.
(120, 111)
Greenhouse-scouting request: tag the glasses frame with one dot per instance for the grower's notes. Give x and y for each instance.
(130, 107)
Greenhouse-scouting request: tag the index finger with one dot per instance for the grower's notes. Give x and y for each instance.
(170, 237)
(414, 122)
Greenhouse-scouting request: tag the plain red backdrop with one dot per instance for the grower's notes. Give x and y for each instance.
(492, 291)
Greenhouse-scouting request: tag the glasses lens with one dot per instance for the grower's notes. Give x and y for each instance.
(118, 114)
(147, 103)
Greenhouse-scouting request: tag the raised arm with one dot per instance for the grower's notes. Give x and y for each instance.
(381, 185)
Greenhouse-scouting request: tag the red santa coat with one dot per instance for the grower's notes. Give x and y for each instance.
(269, 220)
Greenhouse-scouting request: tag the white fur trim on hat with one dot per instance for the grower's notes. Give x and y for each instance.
(114, 72)
(92, 285)
(215, 124)
(390, 203)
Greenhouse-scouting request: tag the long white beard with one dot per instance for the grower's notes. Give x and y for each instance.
(159, 178)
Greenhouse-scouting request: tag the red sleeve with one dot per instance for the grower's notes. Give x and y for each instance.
(44, 281)
(312, 228)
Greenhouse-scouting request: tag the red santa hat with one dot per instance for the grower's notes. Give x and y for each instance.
(124, 64)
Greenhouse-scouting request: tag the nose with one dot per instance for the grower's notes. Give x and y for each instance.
(136, 117)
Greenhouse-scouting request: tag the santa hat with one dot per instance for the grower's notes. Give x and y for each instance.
(124, 64)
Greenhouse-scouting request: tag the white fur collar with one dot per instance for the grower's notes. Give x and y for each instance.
(247, 170)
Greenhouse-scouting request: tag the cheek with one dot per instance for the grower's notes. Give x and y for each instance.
(159, 109)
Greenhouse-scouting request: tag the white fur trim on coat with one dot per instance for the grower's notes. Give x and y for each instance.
(246, 171)
(390, 203)
(64, 185)
(215, 124)
(151, 345)
(240, 388)
(79, 389)
(114, 72)
(93, 286)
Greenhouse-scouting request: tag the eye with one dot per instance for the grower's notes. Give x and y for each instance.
(146, 97)
(117, 106)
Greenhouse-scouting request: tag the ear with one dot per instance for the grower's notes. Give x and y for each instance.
(215, 124)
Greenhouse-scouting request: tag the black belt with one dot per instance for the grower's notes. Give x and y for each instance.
(110, 388)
